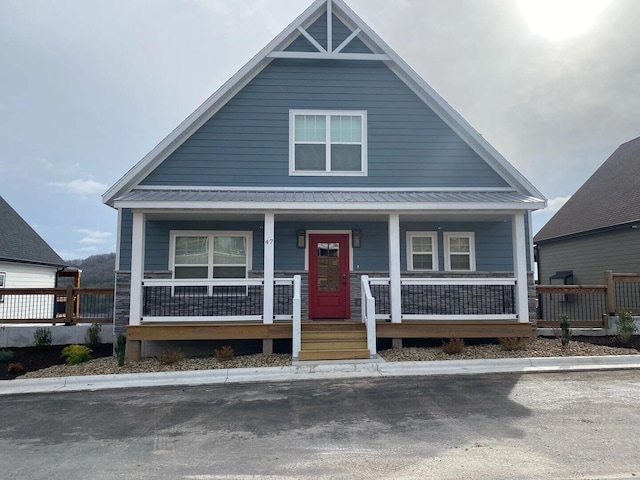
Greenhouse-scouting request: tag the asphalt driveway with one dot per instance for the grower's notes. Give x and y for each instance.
(572, 425)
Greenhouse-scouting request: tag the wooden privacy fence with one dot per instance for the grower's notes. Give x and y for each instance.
(588, 305)
(68, 305)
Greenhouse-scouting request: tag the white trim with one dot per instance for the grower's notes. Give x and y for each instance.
(350, 206)
(262, 59)
(313, 41)
(224, 188)
(435, 261)
(520, 267)
(347, 40)
(329, 26)
(395, 292)
(137, 267)
(529, 240)
(328, 232)
(330, 56)
(3, 282)
(268, 267)
(328, 142)
(472, 250)
(210, 234)
(249, 318)
(461, 318)
(458, 281)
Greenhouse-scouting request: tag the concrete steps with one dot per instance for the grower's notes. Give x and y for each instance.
(334, 341)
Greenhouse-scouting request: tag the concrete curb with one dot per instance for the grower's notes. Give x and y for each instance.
(320, 372)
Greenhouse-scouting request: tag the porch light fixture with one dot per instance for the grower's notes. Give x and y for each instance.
(301, 239)
(355, 238)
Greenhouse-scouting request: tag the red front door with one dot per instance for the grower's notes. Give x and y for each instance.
(328, 275)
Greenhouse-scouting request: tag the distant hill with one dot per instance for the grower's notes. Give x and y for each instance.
(97, 270)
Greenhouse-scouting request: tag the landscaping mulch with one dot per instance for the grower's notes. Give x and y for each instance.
(36, 358)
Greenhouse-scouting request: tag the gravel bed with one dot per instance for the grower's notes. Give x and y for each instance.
(539, 347)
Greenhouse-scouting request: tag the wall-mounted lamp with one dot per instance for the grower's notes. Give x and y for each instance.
(301, 239)
(355, 238)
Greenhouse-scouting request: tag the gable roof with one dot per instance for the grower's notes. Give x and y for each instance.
(278, 48)
(20, 243)
(609, 198)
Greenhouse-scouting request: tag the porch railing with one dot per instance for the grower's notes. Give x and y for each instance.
(583, 305)
(68, 305)
(242, 299)
(369, 314)
(448, 298)
(296, 341)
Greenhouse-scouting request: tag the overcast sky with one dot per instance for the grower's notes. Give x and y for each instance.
(88, 87)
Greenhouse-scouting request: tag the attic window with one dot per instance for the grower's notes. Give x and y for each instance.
(327, 142)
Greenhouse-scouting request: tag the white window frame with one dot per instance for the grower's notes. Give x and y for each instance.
(3, 282)
(472, 250)
(210, 234)
(327, 172)
(435, 260)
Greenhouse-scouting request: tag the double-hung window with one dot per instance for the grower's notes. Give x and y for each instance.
(327, 142)
(422, 251)
(3, 276)
(210, 255)
(460, 251)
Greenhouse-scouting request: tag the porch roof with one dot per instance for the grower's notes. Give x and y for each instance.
(354, 199)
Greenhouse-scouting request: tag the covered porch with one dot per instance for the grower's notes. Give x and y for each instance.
(402, 278)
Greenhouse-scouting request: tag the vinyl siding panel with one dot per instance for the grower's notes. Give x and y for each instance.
(493, 242)
(22, 275)
(247, 142)
(591, 255)
(126, 231)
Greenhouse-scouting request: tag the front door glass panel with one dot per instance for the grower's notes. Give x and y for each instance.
(328, 267)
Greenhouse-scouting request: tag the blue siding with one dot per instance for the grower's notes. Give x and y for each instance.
(340, 34)
(247, 142)
(493, 242)
(494, 252)
(158, 233)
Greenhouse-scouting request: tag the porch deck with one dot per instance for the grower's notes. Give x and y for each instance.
(235, 330)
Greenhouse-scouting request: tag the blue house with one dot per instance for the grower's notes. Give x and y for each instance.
(325, 194)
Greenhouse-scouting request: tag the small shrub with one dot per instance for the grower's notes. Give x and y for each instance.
(93, 337)
(224, 353)
(42, 337)
(75, 354)
(453, 346)
(121, 348)
(510, 344)
(626, 327)
(170, 357)
(15, 368)
(5, 355)
(565, 337)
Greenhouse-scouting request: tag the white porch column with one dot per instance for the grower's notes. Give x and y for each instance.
(520, 266)
(394, 268)
(137, 268)
(269, 256)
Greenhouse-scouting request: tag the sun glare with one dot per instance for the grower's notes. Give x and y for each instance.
(560, 19)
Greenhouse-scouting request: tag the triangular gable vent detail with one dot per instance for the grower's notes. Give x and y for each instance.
(326, 35)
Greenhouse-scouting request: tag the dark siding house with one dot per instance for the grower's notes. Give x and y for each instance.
(325, 181)
(598, 228)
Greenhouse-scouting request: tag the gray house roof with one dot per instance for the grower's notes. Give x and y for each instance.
(609, 198)
(20, 243)
(292, 199)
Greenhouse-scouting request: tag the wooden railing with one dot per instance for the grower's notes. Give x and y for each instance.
(588, 305)
(68, 305)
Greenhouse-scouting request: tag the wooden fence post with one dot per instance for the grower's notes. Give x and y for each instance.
(611, 296)
(69, 310)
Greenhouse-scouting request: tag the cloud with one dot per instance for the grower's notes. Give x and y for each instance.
(554, 204)
(93, 237)
(82, 187)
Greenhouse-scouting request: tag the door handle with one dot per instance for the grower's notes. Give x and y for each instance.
(344, 276)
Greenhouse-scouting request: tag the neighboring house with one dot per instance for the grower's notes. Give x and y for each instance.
(26, 261)
(598, 228)
(326, 157)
